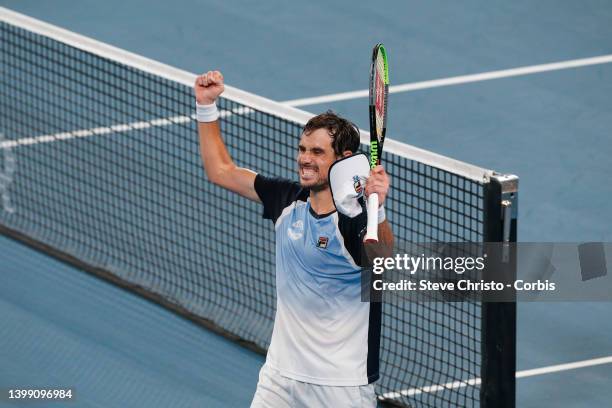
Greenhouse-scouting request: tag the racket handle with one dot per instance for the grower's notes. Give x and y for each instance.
(372, 230)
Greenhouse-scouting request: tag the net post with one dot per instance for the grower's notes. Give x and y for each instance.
(498, 388)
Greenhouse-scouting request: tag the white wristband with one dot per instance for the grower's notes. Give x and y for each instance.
(207, 113)
(381, 214)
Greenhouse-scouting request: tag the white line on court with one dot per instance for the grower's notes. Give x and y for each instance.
(485, 76)
(99, 131)
(476, 381)
(457, 80)
(107, 130)
(564, 367)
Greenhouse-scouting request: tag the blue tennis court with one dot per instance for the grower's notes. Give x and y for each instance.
(521, 88)
(64, 328)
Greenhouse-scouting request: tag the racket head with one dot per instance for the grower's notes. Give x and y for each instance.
(378, 97)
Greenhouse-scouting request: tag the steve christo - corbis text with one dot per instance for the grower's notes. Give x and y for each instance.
(431, 265)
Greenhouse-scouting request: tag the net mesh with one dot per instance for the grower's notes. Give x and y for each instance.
(100, 161)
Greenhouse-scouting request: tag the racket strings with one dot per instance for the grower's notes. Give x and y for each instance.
(381, 97)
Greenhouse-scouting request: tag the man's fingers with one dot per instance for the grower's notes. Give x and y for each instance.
(379, 182)
(208, 86)
(210, 78)
(376, 185)
(214, 77)
(202, 80)
(375, 189)
(378, 179)
(378, 172)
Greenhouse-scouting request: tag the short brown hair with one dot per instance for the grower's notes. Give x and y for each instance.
(344, 134)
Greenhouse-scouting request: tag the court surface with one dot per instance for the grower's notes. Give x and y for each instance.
(549, 124)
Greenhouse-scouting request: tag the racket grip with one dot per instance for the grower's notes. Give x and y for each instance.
(372, 229)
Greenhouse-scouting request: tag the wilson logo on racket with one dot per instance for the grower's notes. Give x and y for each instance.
(373, 153)
(322, 243)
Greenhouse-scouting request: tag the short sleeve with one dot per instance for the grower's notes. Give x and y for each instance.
(276, 194)
(352, 231)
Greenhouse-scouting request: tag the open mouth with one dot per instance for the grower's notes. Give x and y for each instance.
(308, 173)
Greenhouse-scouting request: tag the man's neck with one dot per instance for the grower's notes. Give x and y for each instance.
(322, 202)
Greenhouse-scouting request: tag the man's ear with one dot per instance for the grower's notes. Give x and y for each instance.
(347, 153)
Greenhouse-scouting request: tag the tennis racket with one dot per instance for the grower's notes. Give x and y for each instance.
(379, 90)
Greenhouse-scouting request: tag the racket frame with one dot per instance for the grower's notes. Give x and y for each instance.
(377, 136)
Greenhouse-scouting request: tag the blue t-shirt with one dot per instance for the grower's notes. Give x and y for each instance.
(323, 332)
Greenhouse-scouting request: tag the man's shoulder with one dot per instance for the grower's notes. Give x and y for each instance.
(277, 185)
(276, 193)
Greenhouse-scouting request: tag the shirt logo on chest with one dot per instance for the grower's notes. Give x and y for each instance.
(322, 242)
(296, 230)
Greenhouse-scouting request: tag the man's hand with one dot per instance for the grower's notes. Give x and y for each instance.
(208, 87)
(378, 182)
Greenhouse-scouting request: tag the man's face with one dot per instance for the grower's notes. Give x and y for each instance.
(315, 156)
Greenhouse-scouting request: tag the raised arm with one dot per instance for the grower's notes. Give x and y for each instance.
(218, 164)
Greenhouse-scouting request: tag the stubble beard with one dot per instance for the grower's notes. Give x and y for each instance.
(320, 185)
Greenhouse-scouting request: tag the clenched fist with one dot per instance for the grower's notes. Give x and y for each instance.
(208, 87)
(378, 182)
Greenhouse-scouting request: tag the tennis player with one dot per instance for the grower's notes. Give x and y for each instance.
(325, 343)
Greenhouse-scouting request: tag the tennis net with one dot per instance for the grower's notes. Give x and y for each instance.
(99, 166)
